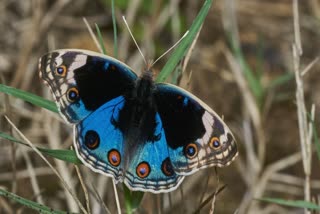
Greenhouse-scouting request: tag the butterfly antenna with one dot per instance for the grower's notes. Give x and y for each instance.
(126, 23)
(186, 33)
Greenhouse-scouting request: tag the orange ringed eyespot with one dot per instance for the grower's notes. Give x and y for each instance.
(167, 168)
(215, 143)
(72, 94)
(191, 150)
(92, 139)
(114, 157)
(61, 70)
(143, 169)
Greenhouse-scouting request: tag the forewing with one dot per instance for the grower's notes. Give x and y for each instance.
(196, 136)
(81, 81)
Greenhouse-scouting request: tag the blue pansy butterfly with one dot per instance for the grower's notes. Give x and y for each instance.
(147, 135)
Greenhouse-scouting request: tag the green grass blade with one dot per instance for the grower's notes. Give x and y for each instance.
(31, 204)
(184, 45)
(115, 36)
(29, 97)
(281, 80)
(65, 155)
(69, 156)
(290, 203)
(132, 199)
(260, 58)
(252, 79)
(103, 48)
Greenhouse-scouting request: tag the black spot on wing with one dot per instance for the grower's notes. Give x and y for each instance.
(181, 116)
(101, 80)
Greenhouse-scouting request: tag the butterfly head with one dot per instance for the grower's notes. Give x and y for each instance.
(148, 72)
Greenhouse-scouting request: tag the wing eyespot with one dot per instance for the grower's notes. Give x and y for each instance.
(61, 70)
(166, 167)
(72, 94)
(215, 143)
(114, 157)
(92, 139)
(191, 150)
(143, 169)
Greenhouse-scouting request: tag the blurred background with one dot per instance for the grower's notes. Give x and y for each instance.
(242, 65)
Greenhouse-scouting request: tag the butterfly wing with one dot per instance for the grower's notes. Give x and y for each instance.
(150, 169)
(196, 136)
(81, 81)
(90, 90)
(103, 147)
(98, 141)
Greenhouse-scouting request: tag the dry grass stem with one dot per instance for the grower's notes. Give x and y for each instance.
(97, 208)
(84, 188)
(23, 174)
(35, 31)
(101, 187)
(125, 36)
(309, 66)
(246, 64)
(33, 177)
(116, 197)
(189, 52)
(49, 164)
(52, 128)
(93, 36)
(305, 131)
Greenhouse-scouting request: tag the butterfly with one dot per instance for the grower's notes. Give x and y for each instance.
(145, 134)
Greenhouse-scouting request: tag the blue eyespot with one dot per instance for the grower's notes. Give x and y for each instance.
(61, 70)
(191, 150)
(73, 94)
(215, 143)
(92, 139)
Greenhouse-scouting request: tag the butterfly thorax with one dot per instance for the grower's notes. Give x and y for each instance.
(143, 106)
(144, 88)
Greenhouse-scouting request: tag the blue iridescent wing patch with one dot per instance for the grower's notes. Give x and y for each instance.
(99, 144)
(151, 167)
(196, 136)
(103, 147)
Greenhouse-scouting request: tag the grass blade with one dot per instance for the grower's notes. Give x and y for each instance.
(281, 80)
(290, 203)
(181, 50)
(252, 79)
(115, 36)
(103, 48)
(65, 155)
(132, 199)
(31, 204)
(29, 97)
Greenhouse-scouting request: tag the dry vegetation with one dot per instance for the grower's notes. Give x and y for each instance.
(273, 137)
